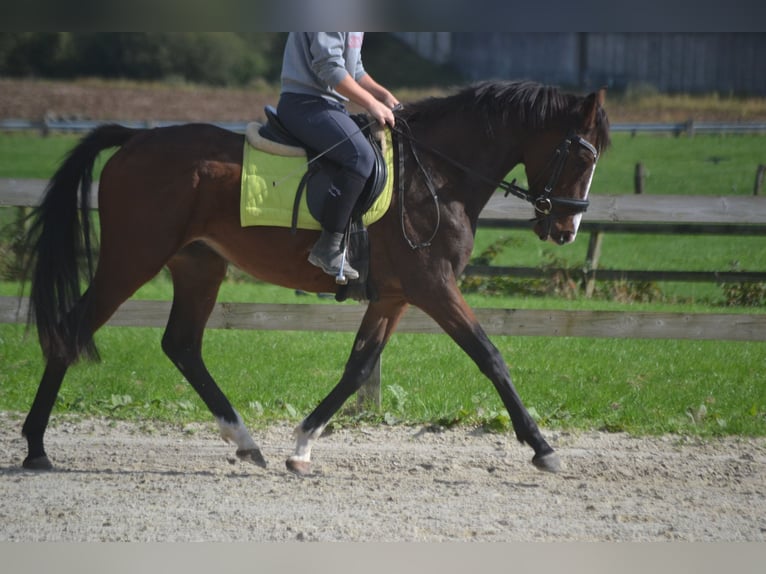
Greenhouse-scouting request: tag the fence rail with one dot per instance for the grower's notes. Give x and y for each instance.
(48, 125)
(655, 213)
(695, 215)
(517, 322)
(648, 214)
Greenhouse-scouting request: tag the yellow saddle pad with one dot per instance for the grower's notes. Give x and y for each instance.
(270, 181)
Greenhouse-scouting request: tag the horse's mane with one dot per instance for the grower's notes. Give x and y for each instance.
(527, 104)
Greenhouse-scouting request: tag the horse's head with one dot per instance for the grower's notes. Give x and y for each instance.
(560, 163)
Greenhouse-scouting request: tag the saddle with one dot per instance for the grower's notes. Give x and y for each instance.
(320, 173)
(316, 185)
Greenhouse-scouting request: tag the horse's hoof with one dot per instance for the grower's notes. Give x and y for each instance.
(37, 463)
(548, 462)
(299, 467)
(253, 456)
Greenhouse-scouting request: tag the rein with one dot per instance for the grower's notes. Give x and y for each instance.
(426, 176)
(544, 203)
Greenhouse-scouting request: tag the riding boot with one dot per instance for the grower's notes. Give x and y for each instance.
(327, 255)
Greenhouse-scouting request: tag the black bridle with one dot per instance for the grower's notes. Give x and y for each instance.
(544, 203)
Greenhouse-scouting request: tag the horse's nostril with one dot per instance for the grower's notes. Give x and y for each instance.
(565, 237)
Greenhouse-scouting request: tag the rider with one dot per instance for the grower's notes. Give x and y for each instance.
(321, 71)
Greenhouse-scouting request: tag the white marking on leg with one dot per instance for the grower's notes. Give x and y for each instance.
(237, 433)
(303, 441)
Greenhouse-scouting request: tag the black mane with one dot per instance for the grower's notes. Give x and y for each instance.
(529, 105)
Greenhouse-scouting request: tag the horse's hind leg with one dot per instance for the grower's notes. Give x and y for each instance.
(379, 322)
(197, 273)
(113, 283)
(39, 414)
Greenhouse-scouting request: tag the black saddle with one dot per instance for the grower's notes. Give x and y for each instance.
(316, 181)
(321, 172)
(275, 131)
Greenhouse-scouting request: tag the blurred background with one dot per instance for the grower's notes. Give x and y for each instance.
(726, 63)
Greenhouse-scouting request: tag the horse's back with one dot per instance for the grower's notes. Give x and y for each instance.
(191, 142)
(161, 159)
(171, 180)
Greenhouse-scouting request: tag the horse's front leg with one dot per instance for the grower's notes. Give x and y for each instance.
(452, 313)
(378, 323)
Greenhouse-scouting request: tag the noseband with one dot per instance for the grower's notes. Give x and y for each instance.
(544, 203)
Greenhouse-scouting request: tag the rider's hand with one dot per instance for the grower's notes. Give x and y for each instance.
(382, 113)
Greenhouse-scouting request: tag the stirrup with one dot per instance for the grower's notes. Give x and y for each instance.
(340, 278)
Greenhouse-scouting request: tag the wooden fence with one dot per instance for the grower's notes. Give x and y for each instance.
(628, 213)
(647, 214)
(47, 125)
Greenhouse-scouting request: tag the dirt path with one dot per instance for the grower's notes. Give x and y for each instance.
(34, 100)
(149, 482)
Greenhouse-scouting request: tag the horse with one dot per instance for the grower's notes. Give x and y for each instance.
(170, 197)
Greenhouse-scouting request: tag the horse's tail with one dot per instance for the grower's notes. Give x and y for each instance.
(58, 240)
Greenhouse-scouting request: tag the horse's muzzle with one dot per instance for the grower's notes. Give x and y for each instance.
(546, 230)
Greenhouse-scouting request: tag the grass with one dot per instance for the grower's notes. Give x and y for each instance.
(708, 164)
(723, 164)
(638, 386)
(697, 387)
(28, 155)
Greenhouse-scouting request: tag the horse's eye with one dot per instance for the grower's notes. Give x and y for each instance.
(580, 164)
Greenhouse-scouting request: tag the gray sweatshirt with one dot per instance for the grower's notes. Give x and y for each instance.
(315, 62)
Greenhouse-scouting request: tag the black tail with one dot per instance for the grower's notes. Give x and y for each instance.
(59, 237)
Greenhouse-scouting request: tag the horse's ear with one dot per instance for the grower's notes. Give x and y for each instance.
(591, 106)
(601, 96)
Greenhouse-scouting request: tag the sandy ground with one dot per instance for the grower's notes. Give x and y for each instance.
(118, 481)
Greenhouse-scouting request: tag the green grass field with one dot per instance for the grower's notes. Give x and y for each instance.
(696, 387)
(639, 386)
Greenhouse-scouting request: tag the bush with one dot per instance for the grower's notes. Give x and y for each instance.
(561, 281)
(218, 58)
(745, 294)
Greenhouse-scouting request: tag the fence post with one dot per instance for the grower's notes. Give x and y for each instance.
(690, 130)
(759, 179)
(369, 393)
(591, 262)
(639, 177)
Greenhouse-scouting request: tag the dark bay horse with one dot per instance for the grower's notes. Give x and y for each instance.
(170, 197)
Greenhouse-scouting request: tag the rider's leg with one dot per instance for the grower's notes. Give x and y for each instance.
(324, 125)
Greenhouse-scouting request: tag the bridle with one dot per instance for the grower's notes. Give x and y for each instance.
(544, 203)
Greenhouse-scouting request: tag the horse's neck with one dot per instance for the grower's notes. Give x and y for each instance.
(486, 157)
